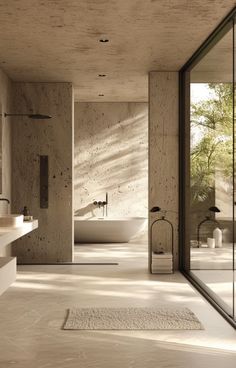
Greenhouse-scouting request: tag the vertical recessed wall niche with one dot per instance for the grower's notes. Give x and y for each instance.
(53, 240)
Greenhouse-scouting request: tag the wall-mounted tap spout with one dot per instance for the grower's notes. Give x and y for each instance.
(102, 204)
(8, 203)
(5, 199)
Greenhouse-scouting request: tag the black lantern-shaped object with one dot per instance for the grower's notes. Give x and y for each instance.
(208, 218)
(171, 227)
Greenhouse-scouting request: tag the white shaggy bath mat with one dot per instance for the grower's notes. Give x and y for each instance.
(161, 318)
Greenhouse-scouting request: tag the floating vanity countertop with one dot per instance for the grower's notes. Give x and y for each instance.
(9, 234)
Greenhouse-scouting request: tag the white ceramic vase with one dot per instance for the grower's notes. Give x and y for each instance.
(217, 235)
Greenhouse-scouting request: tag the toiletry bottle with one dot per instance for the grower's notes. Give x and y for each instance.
(25, 211)
(217, 235)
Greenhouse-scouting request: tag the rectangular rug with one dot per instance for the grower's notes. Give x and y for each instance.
(159, 318)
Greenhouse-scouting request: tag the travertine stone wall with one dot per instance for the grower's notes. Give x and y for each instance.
(163, 152)
(111, 155)
(5, 126)
(53, 241)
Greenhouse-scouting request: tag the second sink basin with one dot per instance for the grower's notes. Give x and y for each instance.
(11, 220)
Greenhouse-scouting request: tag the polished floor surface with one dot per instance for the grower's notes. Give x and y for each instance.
(214, 267)
(212, 259)
(220, 282)
(33, 311)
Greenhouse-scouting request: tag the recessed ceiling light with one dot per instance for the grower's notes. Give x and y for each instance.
(102, 75)
(104, 39)
(100, 95)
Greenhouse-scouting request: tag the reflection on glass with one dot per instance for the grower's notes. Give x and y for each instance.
(211, 172)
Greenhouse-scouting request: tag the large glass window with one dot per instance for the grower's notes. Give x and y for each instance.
(209, 174)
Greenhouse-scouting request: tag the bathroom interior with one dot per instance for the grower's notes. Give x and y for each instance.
(117, 181)
(90, 173)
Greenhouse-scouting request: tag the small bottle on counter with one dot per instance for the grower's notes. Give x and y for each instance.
(25, 213)
(217, 235)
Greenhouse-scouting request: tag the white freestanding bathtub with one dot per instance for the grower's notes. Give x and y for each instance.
(107, 229)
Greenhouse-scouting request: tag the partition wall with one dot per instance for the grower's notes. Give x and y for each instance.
(208, 168)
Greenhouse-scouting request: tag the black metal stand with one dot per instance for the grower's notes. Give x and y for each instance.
(172, 238)
(207, 219)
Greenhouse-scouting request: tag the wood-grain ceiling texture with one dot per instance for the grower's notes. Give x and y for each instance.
(58, 40)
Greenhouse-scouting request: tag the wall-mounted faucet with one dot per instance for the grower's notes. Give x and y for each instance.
(5, 199)
(102, 204)
(8, 202)
(98, 203)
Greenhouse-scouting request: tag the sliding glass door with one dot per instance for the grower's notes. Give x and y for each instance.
(208, 173)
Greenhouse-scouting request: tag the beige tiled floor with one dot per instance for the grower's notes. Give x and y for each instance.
(32, 312)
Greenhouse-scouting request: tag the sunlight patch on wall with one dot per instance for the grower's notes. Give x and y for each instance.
(111, 155)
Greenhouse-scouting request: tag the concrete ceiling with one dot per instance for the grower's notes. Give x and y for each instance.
(217, 65)
(58, 40)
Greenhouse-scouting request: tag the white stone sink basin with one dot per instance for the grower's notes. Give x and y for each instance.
(11, 220)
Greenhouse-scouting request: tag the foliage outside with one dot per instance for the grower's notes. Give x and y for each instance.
(211, 140)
